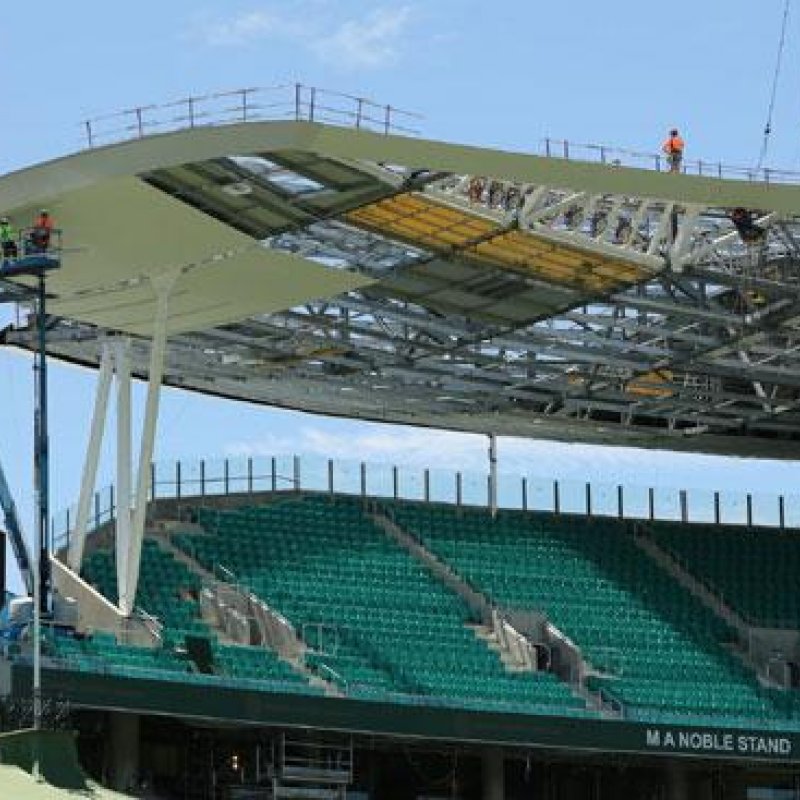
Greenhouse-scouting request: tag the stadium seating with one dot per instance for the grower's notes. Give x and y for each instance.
(259, 667)
(101, 653)
(655, 649)
(379, 626)
(737, 565)
(377, 623)
(168, 590)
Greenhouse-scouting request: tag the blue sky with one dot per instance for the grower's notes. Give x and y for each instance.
(503, 75)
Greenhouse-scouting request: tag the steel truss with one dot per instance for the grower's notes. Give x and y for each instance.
(701, 351)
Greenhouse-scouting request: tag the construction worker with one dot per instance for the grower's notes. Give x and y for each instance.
(8, 239)
(41, 232)
(749, 232)
(673, 148)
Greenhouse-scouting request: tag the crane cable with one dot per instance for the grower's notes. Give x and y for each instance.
(775, 78)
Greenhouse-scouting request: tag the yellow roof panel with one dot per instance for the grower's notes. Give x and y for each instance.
(421, 221)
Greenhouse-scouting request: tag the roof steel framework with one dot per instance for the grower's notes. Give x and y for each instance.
(605, 305)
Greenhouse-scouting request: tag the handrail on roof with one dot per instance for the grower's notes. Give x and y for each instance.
(250, 104)
(622, 157)
(299, 102)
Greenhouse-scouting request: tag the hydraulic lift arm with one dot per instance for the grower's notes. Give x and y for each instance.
(15, 532)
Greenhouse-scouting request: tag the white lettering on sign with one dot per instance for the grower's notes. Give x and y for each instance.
(717, 742)
(653, 738)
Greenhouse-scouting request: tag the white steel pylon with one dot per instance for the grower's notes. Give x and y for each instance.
(131, 509)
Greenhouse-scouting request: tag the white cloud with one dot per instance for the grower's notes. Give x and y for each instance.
(407, 446)
(239, 30)
(370, 41)
(366, 43)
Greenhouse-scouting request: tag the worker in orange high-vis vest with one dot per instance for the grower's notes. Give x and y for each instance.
(673, 148)
(41, 232)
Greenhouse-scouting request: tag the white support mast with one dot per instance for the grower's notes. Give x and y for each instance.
(89, 476)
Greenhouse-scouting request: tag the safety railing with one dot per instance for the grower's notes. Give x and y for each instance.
(264, 474)
(332, 676)
(299, 102)
(621, 157)
(28, 242)
(153, 624)
(294, 101)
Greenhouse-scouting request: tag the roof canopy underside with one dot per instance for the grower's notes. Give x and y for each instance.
(366, 276)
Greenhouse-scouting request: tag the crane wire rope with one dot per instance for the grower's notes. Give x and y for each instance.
(775, 79)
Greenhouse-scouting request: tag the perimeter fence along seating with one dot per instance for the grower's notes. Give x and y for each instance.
(654, 647)
(378, 624)
(168, 591)
(754, 572)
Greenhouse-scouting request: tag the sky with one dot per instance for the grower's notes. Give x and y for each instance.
(499, 75)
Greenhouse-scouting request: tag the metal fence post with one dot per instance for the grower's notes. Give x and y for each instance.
(387, 120)
(717, 510)
(588, 499)
(178, 479)
(359, 110)
(296, 473)
(524, 494)
(312, 104)
(139, 123)
(298, 87)
(274, 476)
(190, 103)
(250, 475)
(556, 498)
(684, 503)
(651, 500)
(202, 478)
(426, 482)
(749, 501)
(620, 502)
(458, 489)
(153, 490)
(781, 512)
(395, 483)
(363, 479)
(89, 138)
(226, 478)
(96, 510)
(330, 476)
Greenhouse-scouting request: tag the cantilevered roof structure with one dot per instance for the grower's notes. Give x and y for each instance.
(386, 277)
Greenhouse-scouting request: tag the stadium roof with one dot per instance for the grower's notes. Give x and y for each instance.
(397, 279)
